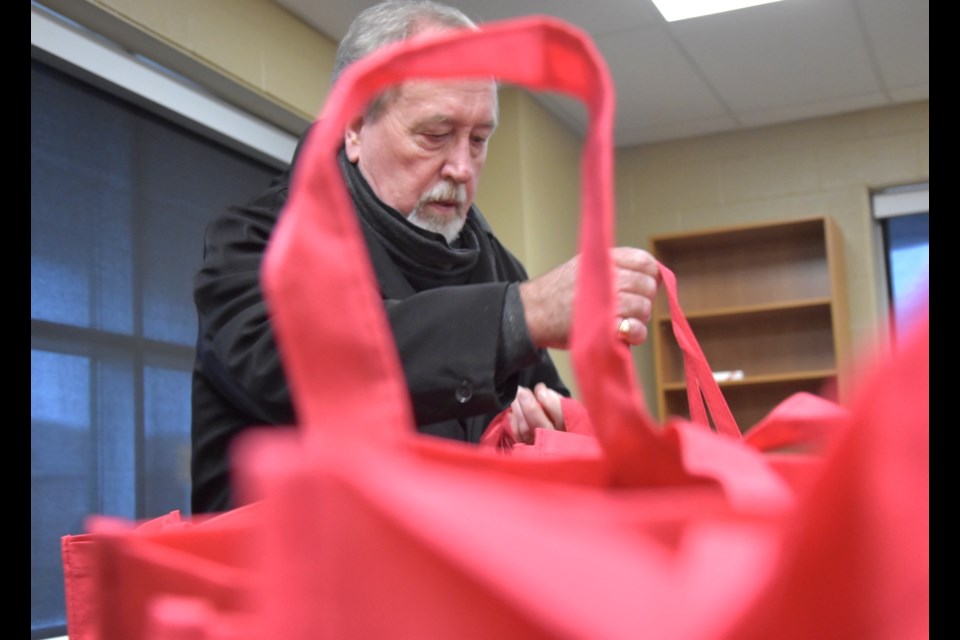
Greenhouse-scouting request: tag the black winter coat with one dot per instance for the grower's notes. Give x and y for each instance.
(447, 339)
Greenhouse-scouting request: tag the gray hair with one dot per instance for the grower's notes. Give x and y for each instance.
(388, 22)
(393, 21)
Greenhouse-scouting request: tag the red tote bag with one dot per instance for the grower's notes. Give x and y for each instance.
(334, 370)
(361, 528)
(664, 531)
(418, 537)
(118, 570)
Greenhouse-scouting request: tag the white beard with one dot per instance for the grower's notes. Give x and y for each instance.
(449, 228)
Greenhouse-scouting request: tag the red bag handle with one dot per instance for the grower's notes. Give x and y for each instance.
(342, 366)
(699, 376)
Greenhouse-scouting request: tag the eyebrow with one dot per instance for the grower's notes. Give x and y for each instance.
(440, 118)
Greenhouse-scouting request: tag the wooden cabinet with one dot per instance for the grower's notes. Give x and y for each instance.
(768, 305)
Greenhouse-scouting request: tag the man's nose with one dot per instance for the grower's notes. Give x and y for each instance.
(458, 164)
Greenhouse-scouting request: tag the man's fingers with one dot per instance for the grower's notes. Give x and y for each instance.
(534, 413)
(632, 331)
(636, 260)
(550, 401)
(518, 423)
(538, 409)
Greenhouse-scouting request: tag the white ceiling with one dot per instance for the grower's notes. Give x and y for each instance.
(763, 65)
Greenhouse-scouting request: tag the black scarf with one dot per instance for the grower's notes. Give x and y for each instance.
(423, 257)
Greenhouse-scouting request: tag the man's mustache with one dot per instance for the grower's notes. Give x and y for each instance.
(446, 191)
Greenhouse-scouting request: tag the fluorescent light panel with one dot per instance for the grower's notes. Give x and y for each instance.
(674, 10)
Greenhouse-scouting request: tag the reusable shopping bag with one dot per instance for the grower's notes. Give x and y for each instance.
(674, 530)
(361, 528)
(115, 571)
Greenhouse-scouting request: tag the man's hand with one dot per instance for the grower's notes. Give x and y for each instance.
(537, 409)
(548, 299)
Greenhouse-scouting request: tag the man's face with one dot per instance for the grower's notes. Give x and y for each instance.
(424, 151)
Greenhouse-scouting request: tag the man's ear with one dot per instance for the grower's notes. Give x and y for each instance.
(351, 139)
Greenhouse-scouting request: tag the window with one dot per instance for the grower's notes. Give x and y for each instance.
(908, 241)
(903, 216)
(120, 197)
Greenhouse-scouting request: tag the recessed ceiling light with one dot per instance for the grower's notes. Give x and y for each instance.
(674, 10)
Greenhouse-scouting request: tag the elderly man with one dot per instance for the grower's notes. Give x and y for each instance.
(471, 328)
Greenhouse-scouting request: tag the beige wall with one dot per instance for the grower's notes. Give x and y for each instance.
(250, 52)
(263, 58)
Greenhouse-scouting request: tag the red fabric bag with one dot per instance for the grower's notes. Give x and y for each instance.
(115, 572)
(361, 528)
(671, 531)
(79, 559)
(542, 54)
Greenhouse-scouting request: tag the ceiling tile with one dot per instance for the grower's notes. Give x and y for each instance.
(655, 82)
(605, 16)
(782, 54)
(898, 31)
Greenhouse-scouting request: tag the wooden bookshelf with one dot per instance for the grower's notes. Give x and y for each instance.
(767, 301)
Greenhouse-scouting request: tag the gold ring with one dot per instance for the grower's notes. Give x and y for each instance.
(624, 328)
